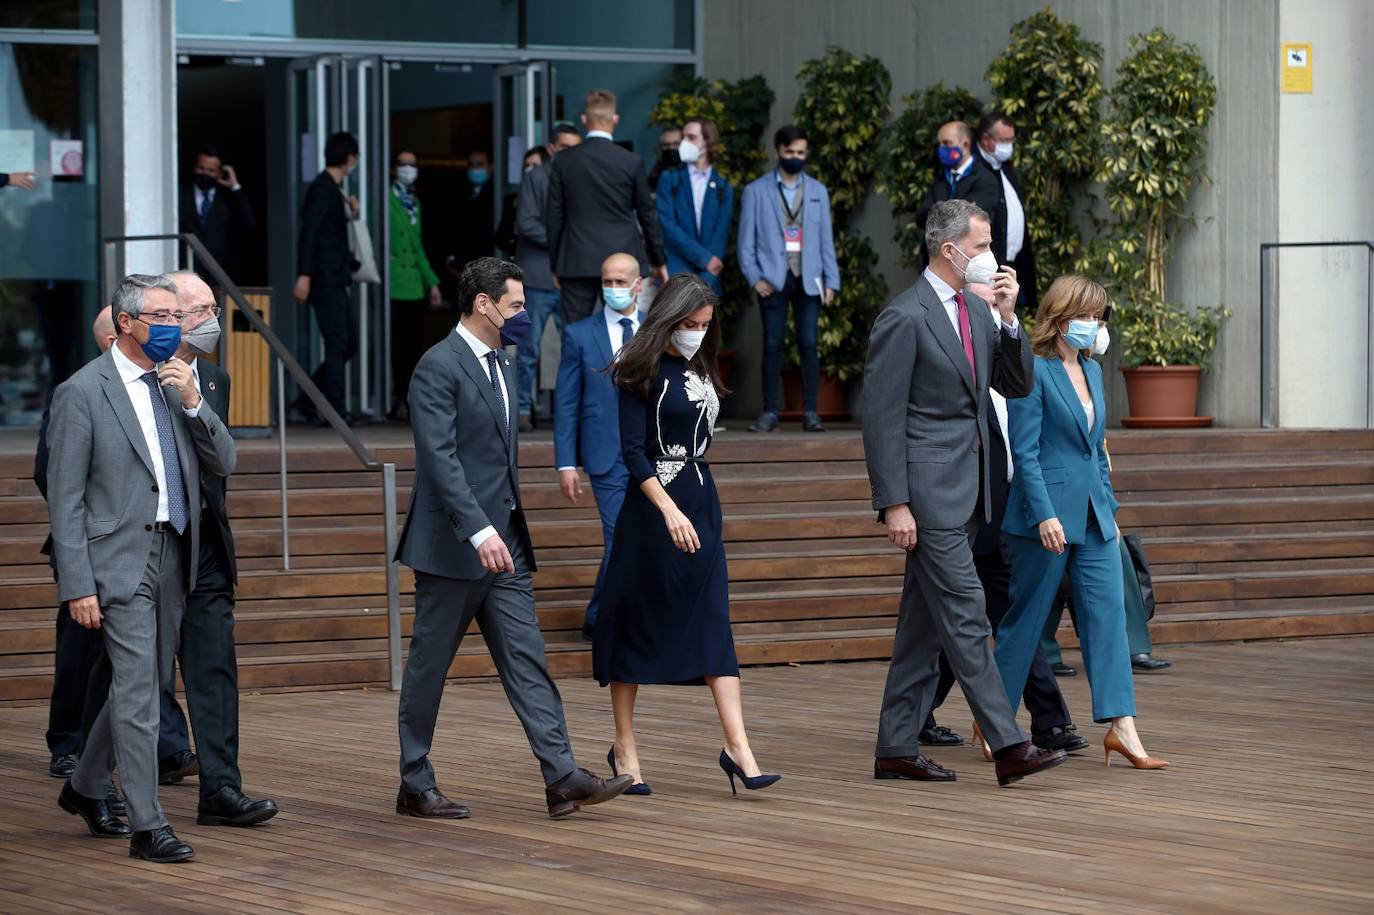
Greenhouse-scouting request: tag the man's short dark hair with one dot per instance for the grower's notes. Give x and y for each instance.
(991, 120)
(564, 127)
(787, 135)
(539, 151)
(210, 151)
(485, 275)
(339, 147)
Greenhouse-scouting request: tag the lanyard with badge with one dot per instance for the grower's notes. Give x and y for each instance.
(791, 230)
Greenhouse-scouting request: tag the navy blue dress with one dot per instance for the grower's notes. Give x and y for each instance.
(665, 614)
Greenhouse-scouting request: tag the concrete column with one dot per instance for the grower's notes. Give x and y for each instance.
(138, 131)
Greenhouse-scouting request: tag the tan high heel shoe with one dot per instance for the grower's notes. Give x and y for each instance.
(1112, 742)
(982, 744)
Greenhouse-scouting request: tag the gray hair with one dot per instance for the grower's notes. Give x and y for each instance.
(949, 220)
(128, 295)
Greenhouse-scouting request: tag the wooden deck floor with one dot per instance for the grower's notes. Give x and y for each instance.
(1267, 808)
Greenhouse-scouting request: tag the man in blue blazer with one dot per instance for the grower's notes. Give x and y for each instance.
(787, 252)
(695, 205)
(587, 408)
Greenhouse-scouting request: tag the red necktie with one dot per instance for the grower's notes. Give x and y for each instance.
(966, 334)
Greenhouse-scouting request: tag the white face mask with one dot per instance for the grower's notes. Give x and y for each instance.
(980, 269)
(1002, 152)
(688, 151)
(1103, 341)
(406, 174)
(687, 342)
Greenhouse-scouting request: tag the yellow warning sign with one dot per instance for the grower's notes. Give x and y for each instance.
(1297, 67)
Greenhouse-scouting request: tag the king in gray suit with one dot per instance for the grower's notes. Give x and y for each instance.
(933, 354)
(129, 437)
(466, 538)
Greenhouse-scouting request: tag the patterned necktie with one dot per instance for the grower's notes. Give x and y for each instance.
(171, 460)
(966, 333)
(207, 200)
(628, 330)
(495, 374)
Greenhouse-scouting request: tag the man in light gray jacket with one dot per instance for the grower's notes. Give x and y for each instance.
(129, 437)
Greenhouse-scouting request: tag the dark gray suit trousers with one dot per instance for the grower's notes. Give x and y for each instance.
(503, 606)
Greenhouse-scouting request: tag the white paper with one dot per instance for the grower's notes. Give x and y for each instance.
(66, 157)
(16, 151)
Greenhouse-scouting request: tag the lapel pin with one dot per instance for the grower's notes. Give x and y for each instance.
(212, 385)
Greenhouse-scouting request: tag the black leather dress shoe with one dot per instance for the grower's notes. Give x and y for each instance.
(1063, 670)
(177, 766)
(916, 768)
(1147, 663)
(767, 422)
(99, 820)
(431, 805)
(580, 788)
(63, 766)
(940, 736)
(1015, 763)
(228, 807)
(160, 846)
(1065, 738)
(811, 422)
(116, 802)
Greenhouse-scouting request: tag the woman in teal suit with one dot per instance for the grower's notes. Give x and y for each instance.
(1061, 514)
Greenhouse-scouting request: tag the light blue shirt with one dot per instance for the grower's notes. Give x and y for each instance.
(789, 191)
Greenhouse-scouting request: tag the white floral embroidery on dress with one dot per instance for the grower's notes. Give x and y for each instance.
(701, 391)
(666, 471)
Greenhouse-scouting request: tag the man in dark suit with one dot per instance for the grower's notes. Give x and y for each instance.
(466, 537)
(1011, 241)
(958, 177)
(325, 267)
(215, 209)
(209, 667)
(475, 212)
(933, 355)
(598, 203)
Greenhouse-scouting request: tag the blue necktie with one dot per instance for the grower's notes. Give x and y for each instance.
(494, 373)
(628, 332)
(171, 460)
(207, 200)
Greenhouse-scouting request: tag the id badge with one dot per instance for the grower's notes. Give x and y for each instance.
(792, 239)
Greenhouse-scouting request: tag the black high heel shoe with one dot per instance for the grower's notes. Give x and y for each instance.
(731, 768)
(641, 788)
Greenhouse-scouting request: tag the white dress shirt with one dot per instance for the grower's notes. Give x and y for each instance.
(480, 350)
(701, 178)
(946, 294)
(616, 333)
(999, 406)
(142, 398)
(603, 134)
(1016, 213)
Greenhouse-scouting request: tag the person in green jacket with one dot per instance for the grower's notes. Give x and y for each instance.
(414, 284)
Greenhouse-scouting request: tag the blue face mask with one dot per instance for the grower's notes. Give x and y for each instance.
(618, 297)
(1081, 334)
(516, 327)
(478, 176)
(950, 156)
(163, 340)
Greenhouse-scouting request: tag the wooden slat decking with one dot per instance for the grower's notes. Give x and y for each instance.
(1266, 810)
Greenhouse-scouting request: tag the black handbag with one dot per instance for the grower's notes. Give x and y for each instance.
(1142, 573)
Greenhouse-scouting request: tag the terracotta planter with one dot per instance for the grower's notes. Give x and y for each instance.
(831, 399)
(1163, 397)
(726, 360)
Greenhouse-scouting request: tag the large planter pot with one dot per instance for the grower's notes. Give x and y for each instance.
(1163, 397)
(831, 402)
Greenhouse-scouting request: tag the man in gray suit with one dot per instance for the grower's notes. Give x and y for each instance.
(466, 538)
(129, 437)
(932, 357)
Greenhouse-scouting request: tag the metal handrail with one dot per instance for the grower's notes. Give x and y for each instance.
(1267, 324)
(286, 362)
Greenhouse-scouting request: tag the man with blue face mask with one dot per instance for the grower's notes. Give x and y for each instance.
(475, 212)
(957, 178)
(587, 411)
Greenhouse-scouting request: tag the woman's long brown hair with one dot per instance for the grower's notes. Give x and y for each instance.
(1069, 296)
(636, 368)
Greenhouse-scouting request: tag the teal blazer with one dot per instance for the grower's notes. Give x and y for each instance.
(1060, 464)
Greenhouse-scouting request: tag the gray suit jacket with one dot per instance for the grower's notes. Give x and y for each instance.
(924, 414)
(531, 240)
(465, 463)
(102, 492)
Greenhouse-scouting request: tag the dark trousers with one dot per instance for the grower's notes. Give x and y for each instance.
(407, 342)
(173, 736)
(578, 297)
(806, 313)
(1043, 699)
(339, 327)
(78, 651)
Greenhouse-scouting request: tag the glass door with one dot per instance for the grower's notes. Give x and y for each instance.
(523, 118)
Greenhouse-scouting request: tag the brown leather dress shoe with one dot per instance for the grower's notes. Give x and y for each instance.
(1025, 758)
(579, 788)
(917, 768)
(429, 804)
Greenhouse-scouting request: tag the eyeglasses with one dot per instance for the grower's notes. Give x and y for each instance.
(212, 310)
(162, 317)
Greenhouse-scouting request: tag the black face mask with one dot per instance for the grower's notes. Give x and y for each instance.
(792, 166)
(669, 158)
(205, 182)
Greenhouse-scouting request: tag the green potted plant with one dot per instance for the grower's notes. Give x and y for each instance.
(1153, 154)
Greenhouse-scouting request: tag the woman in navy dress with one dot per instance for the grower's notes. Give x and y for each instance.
(665, 610)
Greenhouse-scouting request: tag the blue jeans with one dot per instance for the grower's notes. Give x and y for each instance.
(806, 312)
(540, 303)
(609, 490)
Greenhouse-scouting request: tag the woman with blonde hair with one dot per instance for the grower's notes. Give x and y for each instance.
(1061, 514)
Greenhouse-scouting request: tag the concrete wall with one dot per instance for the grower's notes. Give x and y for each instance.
(923, 41)
(1325, 190)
